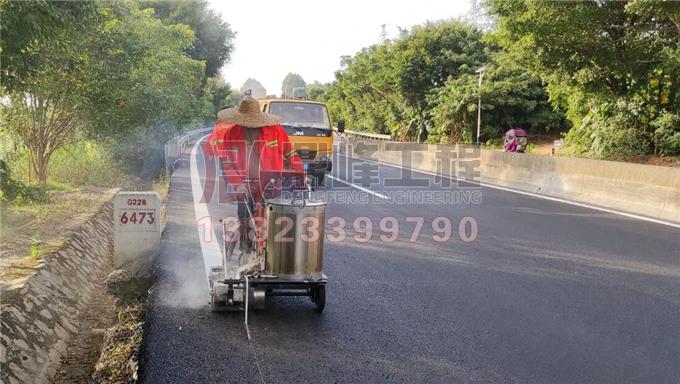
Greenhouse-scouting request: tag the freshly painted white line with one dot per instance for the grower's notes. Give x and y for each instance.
(212, 254)
(359, 187)
(557, 199)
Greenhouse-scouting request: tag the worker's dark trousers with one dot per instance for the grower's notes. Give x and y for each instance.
(246, 241)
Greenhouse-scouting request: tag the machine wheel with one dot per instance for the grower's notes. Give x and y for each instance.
(215, 306)
(257, 298)
(319, 298)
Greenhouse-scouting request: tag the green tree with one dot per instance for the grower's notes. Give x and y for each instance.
(596, 55)
(428, 55)
(125, 71)
(365, 93)
(511, 98)
(315, 90)
(43, 97)
(45, 115)
(290, 83)
(423, 86)
(138, 72)
(213, 37)
(384, 88)
(220, 92)
(27, 26)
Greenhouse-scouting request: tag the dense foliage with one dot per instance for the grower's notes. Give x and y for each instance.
(111, 71)
(606, 72)
(315, 90)
(511, 97)
(26, 25)
(613, 65)
(12, 189)
(423, 86)
(213, 37)
(222, 95)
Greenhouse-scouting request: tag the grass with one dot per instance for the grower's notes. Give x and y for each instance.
(36, 253)
(31, 231)
(12, 269)
(84, 163)
(162, 187)
(63, 204)
(81, 176)
(122, 344)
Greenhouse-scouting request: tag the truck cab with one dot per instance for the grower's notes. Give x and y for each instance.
(308, 125)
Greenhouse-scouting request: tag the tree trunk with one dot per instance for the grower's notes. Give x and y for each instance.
(45, 124)
(41, 169)
(39, 162)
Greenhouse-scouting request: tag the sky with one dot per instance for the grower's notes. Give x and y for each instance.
(309, 37)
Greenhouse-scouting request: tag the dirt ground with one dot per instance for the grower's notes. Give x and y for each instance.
(544, 147)
(84, 349)
(672, 161)
(110, 333)
(29, 232)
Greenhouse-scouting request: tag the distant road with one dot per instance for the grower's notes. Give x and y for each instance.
(547, 293)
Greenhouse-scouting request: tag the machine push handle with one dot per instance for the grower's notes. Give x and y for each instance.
(297, 194)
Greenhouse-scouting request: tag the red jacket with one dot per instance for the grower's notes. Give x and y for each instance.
(273, 146)
(210, 148)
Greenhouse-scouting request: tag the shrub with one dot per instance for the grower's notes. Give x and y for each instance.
(142, 154)
(83, 163)
(667, 134)
(611, 130)
(12, 190)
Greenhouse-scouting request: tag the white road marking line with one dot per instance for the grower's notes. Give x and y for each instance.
(359, 187)
(212, 254)
(557, 199)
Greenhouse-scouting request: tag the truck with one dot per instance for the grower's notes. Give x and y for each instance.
(308, 125)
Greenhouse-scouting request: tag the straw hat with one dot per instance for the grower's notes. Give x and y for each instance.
(248, 115)
(225, 112)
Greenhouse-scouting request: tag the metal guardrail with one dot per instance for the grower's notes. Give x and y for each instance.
(176, 146)
(367, 135)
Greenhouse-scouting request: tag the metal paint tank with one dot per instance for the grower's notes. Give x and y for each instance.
(295, 234)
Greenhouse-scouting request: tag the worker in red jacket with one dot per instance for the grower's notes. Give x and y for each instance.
(254, 146)
(210, 148)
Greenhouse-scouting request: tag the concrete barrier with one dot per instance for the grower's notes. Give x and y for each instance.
(39, 318)
(645, 190)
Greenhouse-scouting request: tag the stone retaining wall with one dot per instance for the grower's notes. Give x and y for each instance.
(38, 319)
(646, 190)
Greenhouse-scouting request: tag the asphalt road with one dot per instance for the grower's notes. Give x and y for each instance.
(546, 293)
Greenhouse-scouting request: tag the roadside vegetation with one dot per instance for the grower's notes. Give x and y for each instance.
(91, 90)
(604, 75)
(90, 93)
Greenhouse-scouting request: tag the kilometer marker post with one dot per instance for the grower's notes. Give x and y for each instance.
(136, 229)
